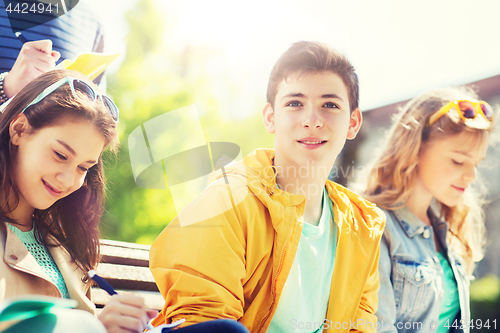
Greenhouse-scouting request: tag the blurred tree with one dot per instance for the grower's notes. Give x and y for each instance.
(156, 78)
(142, 88)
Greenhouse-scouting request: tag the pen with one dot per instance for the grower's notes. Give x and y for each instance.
(21, 37)
(102, 283)
(107, 287)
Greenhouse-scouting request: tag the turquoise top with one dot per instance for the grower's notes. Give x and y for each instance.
(42, 256)
(304, 300)
(450, 305)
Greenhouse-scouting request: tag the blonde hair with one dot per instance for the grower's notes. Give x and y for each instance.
(394, 170)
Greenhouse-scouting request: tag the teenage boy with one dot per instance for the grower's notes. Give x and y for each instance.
(292, 251)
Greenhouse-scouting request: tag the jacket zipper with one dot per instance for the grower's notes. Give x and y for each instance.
(274, 288)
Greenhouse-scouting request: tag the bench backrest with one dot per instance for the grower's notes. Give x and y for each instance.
(126, 267)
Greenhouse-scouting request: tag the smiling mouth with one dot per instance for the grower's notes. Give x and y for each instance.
(50, 189)
(462, 189)
(312, 142)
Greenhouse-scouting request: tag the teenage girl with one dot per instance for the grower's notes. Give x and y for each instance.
(52, 135)
(435, 230)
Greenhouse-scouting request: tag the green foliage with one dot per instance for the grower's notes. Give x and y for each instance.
(142, 90)
(486, 289)
(485, 301)
(153, 79)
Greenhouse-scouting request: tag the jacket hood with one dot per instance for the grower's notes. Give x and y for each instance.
(255, 175)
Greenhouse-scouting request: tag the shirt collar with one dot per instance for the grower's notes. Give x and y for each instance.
(412, 224)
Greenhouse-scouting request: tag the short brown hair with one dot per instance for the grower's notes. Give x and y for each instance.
(309, 57)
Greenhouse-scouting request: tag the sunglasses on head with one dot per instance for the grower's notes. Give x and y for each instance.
(84, 88)
(466, 109)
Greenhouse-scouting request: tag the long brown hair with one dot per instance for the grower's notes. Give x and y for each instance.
(393, 172)
(72, 220)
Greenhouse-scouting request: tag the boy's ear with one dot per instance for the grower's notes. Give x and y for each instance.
(354, 124)
(268, 118)
(17, 128)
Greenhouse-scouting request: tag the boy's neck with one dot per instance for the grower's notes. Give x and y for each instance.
(307, 182)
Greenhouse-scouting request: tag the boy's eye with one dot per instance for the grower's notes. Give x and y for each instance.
(457, 163)
(83, 169)
(331, 105)
(61, 156)
(294, 104)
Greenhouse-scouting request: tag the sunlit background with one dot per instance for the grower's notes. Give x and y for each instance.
(399, 48)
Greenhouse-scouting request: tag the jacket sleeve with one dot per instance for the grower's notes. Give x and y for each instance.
(386, 313)
(200, 268)
(365, 314)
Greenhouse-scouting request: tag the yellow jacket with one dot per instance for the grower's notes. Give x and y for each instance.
(235, 263)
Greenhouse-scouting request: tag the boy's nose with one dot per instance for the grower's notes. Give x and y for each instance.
(311, 119)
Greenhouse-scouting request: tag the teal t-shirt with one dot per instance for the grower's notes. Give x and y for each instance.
(450, 305)
(304, 300)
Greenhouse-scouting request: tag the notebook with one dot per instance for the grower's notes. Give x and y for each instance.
(25, 307)
(90, 64)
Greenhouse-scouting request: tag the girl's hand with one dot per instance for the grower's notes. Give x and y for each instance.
(125, 313)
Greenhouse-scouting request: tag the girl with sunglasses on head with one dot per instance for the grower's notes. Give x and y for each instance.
(52, 135)
(435, 230)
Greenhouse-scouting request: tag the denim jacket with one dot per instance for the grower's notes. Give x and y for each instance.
(411, 277)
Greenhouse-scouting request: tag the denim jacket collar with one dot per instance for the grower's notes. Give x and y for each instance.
(409, 222)
(412, 225)
(440, 228)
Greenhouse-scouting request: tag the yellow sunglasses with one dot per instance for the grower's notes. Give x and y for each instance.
(466, 109)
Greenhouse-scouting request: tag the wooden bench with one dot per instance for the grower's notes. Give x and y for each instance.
(126, 267)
